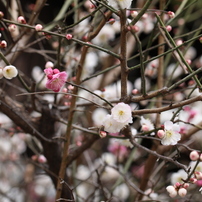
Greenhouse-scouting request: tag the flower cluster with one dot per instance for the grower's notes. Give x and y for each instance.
(8, 72)
(120, 116)
(180, 189)
(170, 135)
(56, 79)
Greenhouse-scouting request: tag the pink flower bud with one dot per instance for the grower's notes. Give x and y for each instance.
(42, 159)
(193, 180)
(185, 185)
(177, 184)
(68, 36)
(102, 134)
(50, 76)
(3, 44)
(182, 192)
(38, 27)
(161, 134)
(171, 14)
(169, 28)
(145, 128)
(135, 28)
(200, 39)
(135, 91)
(70, 87)
(198, 175)
(194, 156)
(188, 61)
(55, 71)
(12, 27)
(49, 65)
(21, 20)
(179, 42)
(133, 13)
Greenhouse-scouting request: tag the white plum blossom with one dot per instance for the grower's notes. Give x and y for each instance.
(9, 71)
(122, 192)
(178, 176)
(98, 116)
(172, 135)
(146, 124)
(117, 4)
(122, 113)
(111, 125)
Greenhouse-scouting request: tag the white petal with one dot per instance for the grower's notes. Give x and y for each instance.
(168, 125)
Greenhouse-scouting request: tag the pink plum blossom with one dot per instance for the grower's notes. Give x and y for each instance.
(57, 81)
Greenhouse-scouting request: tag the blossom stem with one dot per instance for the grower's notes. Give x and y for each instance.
(123, 59)
(142, 11)
(178, 51)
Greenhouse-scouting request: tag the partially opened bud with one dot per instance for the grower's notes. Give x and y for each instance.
(194, 155)
(10, 72)
(182, 192)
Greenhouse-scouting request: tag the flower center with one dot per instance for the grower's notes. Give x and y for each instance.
(121, 112)
(169, 133)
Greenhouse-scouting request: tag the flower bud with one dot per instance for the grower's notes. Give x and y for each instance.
(185, 185)
(182, 192)
(21, 20)
(169, 28)
(193, 180)
(49, 64)
(172, 191)
(171, 14)
(12, 27)
(3, 44)
(161, 134)
(38, 27)
(135, 91)
(42, 159)
(194, 156)
(133, 13)
(68, 36)
(102, 134)
(55, 71)
(198, 175)
(145, 128)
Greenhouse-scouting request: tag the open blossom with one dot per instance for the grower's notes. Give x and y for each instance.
(10, 72)
(146, 124)
(117, 4)
(172, 135)
(122, 113)
(56, 79)
(111, 125)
